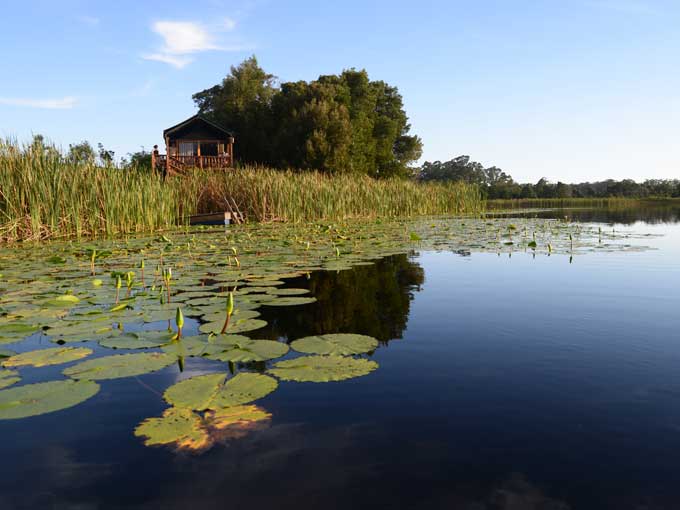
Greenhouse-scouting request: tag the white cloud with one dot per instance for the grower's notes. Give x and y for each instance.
(183, 38)
(173, 60)
(64, 103)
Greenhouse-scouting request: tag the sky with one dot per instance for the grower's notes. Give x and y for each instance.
(570, 90)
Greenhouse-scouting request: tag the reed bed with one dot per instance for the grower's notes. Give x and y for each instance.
(44, 197)
(273, 195)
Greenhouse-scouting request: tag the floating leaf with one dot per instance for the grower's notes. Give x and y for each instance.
(120, 365)
(289, 301)
(131, 341)
(45, 357)
(322, 368)
(179, 426)
(287, 292)
(210, 391)
(6, 353)
(244, 349)
(339, 344)
(41, 398)
(63, 301)
(8, 377)
(235, 325)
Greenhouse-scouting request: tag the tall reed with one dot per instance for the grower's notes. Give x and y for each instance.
(42, 196)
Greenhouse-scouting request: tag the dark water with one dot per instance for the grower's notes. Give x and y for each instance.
(504, 383)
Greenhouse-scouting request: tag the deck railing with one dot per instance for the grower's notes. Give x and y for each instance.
(206, 162)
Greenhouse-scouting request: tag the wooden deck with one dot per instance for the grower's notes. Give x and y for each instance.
(177, 165)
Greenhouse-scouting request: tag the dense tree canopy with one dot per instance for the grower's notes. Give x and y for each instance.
(495, 183)
(337, 123)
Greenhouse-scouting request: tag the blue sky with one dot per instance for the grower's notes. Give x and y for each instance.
(572, 90)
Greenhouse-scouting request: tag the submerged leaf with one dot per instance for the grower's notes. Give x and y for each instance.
(339, 344)
(41, 398)
(322, 368)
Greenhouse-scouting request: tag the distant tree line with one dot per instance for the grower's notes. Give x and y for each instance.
(495, 183)
(84, 153)
(336, 123)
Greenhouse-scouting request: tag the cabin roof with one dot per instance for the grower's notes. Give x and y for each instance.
(195, 119)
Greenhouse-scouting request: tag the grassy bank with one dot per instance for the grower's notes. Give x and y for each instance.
(546, 203)
(43, 197)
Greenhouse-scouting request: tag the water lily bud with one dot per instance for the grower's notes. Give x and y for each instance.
(179, 318)
(119, 283)
(230, 303)
(141, 264)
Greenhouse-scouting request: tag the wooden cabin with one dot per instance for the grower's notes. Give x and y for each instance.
(194, 143)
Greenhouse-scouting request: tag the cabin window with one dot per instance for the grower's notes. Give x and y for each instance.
(188, 148)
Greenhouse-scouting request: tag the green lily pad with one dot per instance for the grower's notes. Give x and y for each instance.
(245, 350)
(210, 391)
(6, 353)
(289, 301)
(42, 398)
(287, 292)
(65, 301)
(131, 341)
(120, 365)
(322, 368)
(181, 427)
(45, 357)
(235, 325)
(8, 377)
(186, 346)
(340, 344)
(15, 331)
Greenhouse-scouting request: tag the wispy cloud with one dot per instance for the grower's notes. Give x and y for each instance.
(184, 38)
(64, 103)
(89, 20)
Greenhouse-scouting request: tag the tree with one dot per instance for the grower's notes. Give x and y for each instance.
(105, 156)
(81, 153)
(337, 123)
(242, 102)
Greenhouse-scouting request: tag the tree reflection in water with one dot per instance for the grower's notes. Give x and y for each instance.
(372, 300)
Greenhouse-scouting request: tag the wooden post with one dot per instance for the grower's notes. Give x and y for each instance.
(167, 156)
(200, 159)
(230, 144)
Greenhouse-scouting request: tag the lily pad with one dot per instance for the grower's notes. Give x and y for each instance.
(289, 301)
(322, 368)
(8, 377)
(244, 349)
(181, 427)
(210, 391)
(45, 357)
(131, 341)
(120, 365)
(235, 325)
(41, 398)
(340, 344)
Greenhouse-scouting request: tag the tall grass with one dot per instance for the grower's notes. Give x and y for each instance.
(43, 197)
(273, 195)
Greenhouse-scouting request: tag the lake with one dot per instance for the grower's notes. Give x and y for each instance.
(509, 378)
